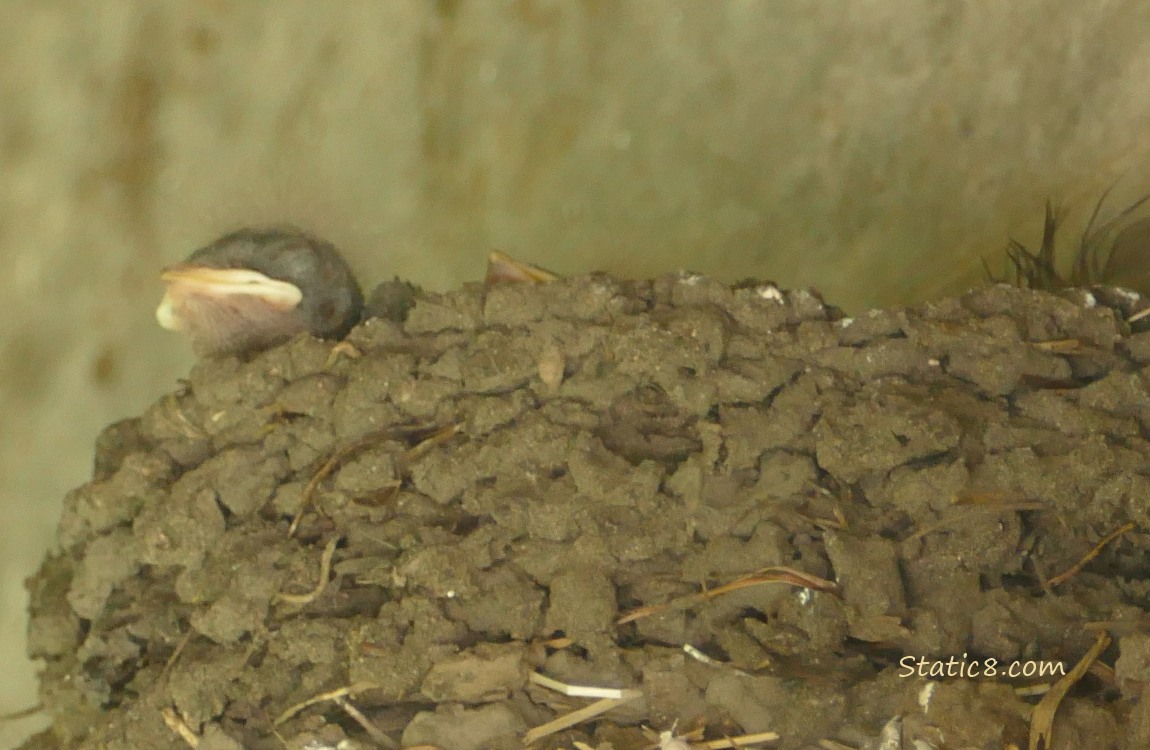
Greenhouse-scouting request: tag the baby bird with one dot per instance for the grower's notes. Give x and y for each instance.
(255, 288)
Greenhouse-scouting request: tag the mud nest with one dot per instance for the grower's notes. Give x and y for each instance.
(744, 510)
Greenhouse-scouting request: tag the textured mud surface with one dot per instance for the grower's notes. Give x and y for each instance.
(490, 488)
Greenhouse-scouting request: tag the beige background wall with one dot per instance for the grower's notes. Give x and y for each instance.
(874, 149)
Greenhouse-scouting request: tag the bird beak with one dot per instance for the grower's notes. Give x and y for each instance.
(501, 268)
(186, 282)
